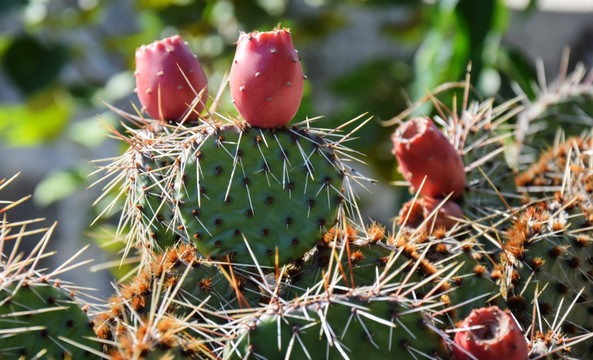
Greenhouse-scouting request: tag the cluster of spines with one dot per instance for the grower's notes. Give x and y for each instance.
(39, 314)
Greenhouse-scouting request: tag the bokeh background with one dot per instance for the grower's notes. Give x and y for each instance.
(61, 61)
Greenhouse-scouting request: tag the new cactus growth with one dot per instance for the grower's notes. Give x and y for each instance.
(266, 78)
(170, 82)
(488, 334)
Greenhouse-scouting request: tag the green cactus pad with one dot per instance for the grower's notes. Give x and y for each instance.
(554, 265)
(276, 189)
(36, 318)
(348, 327)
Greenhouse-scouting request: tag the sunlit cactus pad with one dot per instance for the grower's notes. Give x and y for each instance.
(278, 189)
(254, 195)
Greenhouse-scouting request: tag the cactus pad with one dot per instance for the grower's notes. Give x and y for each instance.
(40, 318)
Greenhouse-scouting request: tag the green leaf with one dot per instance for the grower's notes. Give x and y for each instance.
(59, 185)
(42, 119)
(444, 53)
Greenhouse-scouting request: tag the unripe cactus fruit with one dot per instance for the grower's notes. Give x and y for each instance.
(170, 81)
(423, 151)
(489, 333)
(266, 78)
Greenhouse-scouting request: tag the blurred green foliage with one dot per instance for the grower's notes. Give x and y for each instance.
(60, 59)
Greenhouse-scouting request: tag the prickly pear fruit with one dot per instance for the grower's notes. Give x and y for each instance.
(489, 333)
(266, 78)
(423, 151)
(170, 81)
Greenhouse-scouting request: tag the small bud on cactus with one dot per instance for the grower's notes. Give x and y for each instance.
(489, 333)
(445, 213)
(423, 208)
(169, 80)
(266, 78)
(423, 151)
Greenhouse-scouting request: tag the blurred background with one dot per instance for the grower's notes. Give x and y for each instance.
(62, 60)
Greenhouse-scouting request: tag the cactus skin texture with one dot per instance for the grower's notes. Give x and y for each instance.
(423, 151)
(496, 336)
(344, 327)
(149, 174)
(169, 78)
(274, 197)
(266, 78)
(51, 314)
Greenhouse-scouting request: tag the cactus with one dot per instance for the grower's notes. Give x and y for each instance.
(250, 242)
(41, 318)
(170, 82)
(438, 212)
(266, 78)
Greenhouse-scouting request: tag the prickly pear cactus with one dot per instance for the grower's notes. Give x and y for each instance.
(266, 79)
(170, 82)
(340, 327)
(428, 160)
(488, 334)
(251, 245)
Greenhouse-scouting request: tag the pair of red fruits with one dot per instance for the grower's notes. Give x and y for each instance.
(266, 79)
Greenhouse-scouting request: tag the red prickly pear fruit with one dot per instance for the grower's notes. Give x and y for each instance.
(169, 79)
(266, 78)
(489, 333)
(422, 150)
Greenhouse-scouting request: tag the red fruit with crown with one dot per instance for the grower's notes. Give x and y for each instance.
(170, 81)
(266, 78)
(423, 151)
(489, 334)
